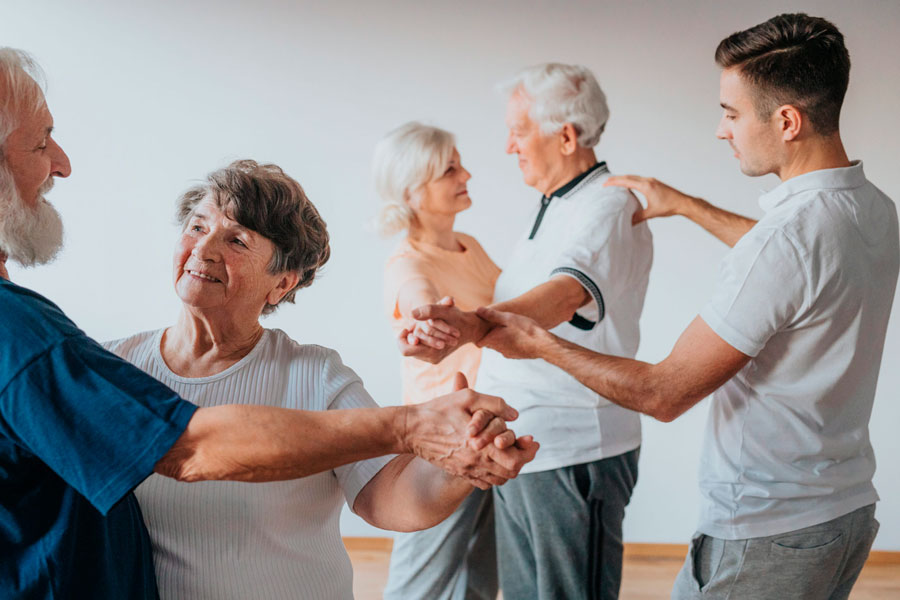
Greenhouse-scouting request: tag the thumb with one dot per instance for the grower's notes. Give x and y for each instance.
(492, 316)
(459, 382)
(639, 216)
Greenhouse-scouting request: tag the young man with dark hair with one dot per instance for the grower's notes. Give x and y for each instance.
(790, 344)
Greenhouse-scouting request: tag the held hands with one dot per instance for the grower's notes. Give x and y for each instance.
(662, 200)
(433, 333)
(513, 336)
(465, 434)
(443, 327)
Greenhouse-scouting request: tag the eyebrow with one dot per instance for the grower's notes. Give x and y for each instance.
(727, 106)
(202, 217)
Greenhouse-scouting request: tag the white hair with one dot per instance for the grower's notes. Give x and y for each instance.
(28, 235)
(406, 159)
(563, 94)
(21, 88)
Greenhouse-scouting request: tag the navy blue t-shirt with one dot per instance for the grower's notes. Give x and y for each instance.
(79, 429)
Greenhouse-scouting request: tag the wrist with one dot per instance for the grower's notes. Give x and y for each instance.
(401, 425)
(545, 344)
(690, 206)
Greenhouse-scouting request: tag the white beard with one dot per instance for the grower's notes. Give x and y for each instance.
(28, 236)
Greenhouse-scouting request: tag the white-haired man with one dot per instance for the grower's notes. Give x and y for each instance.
(789, 345)
(80, 428)
(581, 270)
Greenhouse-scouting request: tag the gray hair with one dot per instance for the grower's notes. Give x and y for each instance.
(563, 94)
(264, 199)
(406, 159)
(21, 88)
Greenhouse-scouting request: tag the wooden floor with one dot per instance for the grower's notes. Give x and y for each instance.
(643, 577)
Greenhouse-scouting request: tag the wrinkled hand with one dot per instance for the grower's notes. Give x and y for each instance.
(662, 200)
(469, 325)
(513, 336)
(434, 333)
(446, 432)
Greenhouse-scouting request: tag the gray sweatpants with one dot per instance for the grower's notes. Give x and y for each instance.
(559, 532)
(454, 560)
(820, 562)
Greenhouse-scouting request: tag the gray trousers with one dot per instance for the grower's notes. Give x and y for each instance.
(454, 560)
(559, 532)
(820, 562)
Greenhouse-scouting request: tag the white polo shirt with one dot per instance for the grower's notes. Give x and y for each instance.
(585, 232)
(807, 292)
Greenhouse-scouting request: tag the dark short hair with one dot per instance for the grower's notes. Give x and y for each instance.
(266, 200)
(792, 59)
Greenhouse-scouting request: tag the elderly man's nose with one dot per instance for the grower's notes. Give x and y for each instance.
(60, 165)
(511, 145)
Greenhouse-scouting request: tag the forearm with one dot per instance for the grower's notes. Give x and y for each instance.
(410, 494)
(729, 227)
(259, 443)
(549, 304)
(630, 383)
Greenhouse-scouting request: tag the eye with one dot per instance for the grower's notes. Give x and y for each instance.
(195, 228)
(239, 242)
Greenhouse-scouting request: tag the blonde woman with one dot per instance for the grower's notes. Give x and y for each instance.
(422, 185)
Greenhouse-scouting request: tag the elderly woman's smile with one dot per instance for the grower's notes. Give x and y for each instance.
(219, 263)
(200, 275)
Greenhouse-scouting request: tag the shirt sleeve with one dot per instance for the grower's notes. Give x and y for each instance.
(762, 287)
(597, 255)
(97, 421)
(344, 389)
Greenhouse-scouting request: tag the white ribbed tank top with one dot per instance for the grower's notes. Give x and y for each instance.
(227, 540)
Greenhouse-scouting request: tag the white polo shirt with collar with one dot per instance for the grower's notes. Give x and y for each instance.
(807, 293)
(584, 233)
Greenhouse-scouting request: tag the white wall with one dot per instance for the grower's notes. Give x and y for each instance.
(148, 99)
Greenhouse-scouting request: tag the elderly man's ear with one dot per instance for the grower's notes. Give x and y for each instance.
(568, 139)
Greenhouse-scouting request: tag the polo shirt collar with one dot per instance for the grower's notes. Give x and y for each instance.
(823, 179)
(565, 189)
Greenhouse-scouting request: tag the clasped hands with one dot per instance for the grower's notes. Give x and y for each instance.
(441, 328)
(492, 453)
(465, 434)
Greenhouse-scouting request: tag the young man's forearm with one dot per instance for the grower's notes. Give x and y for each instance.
(729, 227)
(632, 384)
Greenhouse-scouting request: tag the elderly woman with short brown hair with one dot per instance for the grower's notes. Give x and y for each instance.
(250, 239)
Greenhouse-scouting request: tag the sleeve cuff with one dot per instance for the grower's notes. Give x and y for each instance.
(578, 320)
(729, 334)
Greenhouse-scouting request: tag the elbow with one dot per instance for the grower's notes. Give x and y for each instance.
(420, 520)
(666, 406)
(665, 415)
(179, 469)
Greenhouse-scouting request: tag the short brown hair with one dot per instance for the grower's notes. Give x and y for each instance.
(266, 200)
(792, 59)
